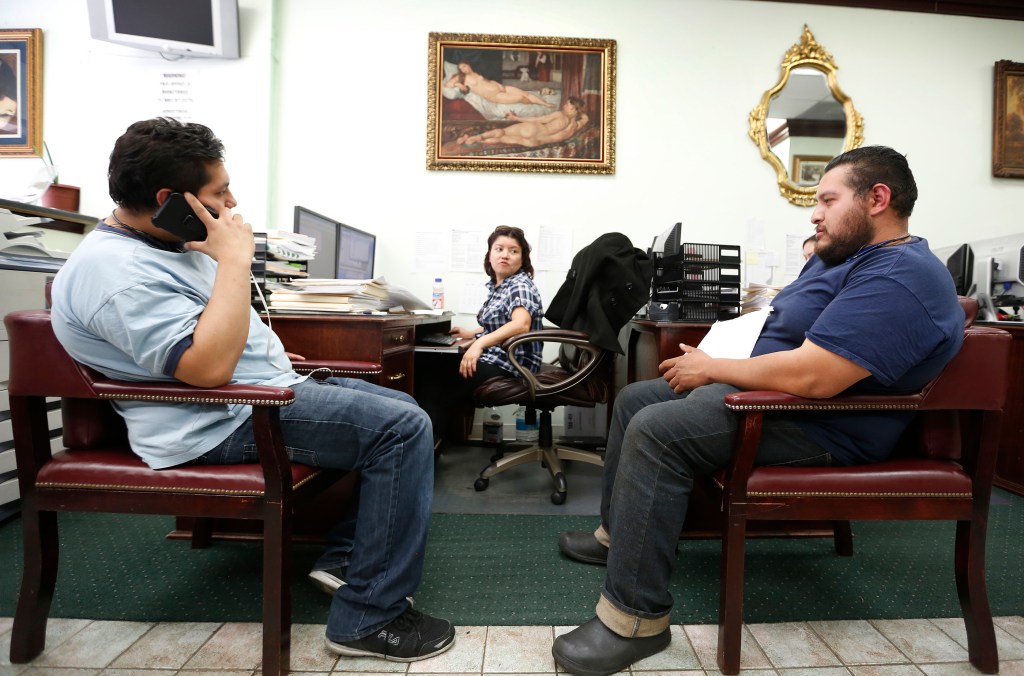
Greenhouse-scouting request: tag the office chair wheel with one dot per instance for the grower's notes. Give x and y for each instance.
(481, 484)
(557, 498)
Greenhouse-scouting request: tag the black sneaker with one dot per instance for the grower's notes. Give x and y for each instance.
(409, 637)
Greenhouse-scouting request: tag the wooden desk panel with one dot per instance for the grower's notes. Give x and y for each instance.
(389, 340)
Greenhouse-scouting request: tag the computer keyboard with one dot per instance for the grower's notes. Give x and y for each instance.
(444, 339)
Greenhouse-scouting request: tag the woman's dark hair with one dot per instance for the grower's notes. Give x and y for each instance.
(871, 165)
(518, 236)
(160, 153)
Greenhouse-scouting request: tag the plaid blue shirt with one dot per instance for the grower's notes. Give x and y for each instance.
(516, 291)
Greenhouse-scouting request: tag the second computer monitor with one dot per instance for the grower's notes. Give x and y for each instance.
(355, 253)
(342, 252)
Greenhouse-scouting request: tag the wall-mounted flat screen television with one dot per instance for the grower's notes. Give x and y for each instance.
(207, 28)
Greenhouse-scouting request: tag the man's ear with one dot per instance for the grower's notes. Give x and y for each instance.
(161, 196)
(878, 198)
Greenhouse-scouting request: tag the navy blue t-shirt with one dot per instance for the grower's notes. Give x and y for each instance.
(892, 310)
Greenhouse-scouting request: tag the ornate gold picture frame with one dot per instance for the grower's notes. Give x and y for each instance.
(1008, 122)
(521, 104)
(807, 169)
(807, 57)
(21, 92)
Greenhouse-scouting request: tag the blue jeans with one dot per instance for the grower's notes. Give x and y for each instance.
(658, 442)
(343, 423)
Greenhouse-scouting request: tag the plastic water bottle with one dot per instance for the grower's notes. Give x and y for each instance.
(526, 431)
(437, 295)
(492, 427)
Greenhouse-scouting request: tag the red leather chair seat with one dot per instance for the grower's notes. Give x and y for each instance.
(116, 469)
(892, 478)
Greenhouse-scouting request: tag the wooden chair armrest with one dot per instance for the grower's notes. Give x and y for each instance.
(325, 368)
(578, 339)
(252, 395)
(767, 400)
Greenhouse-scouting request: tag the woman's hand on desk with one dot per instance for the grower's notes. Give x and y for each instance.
(463, 333)
(294, 357)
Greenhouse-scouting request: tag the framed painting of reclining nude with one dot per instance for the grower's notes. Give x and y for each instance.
(522, 104)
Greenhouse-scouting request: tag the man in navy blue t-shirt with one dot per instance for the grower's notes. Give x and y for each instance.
(873, 311)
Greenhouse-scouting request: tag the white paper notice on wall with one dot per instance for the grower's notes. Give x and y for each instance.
(734, 338)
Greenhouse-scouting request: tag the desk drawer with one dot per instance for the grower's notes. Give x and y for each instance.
(397, 339)
(398, 371)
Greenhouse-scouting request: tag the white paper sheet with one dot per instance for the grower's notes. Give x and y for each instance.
(734, 338)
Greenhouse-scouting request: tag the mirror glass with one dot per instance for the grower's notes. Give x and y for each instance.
(804, 120)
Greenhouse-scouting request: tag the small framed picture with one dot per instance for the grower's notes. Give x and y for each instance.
(807, 169)
(514, 103)
(21, 92)
(1008, 121)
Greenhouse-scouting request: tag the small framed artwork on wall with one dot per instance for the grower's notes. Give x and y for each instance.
(1008, 121)
(807, 169)
(526, 104)
(21, 92)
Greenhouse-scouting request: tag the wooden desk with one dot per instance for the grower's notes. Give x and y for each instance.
(389, 341)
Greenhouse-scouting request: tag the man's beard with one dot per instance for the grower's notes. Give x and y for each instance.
(856, 233)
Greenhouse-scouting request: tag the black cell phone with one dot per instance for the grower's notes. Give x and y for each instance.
(176, 216)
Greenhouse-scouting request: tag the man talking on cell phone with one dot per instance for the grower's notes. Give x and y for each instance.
(135, 302)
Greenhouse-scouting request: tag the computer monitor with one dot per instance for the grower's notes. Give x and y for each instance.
(999, 273)
(355, 253)
(961, 266)
(325, 232)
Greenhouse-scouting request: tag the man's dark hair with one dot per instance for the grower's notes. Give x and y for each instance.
(524, 246)
(871, 165)
(160, 153)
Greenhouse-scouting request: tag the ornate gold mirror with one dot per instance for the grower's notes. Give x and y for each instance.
(804, 120)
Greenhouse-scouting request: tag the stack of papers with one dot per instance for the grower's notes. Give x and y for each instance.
(343, 295)
(331, 295)
(290, 246)
(757, 296)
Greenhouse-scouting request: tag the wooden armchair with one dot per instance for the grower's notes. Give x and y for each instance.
(942, 470)
(96, 471)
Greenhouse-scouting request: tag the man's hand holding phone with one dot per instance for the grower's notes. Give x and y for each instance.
(227, 236)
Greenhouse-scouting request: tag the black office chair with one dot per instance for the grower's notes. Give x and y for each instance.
(584, 383)
(608, 282)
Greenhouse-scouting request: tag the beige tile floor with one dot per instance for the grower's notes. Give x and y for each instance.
(861, 647)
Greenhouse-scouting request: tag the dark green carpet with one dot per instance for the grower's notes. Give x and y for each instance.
(506, 570)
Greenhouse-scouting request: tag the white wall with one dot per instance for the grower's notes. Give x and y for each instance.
(350, 96)
(93, 90)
